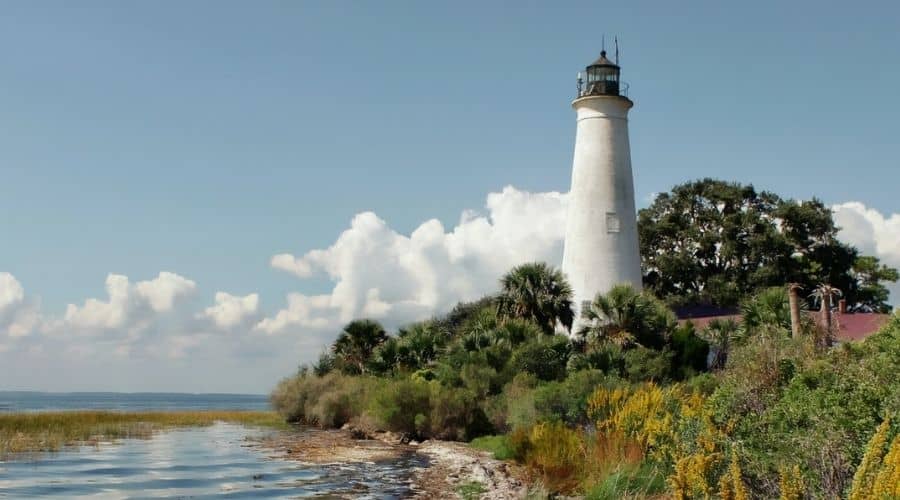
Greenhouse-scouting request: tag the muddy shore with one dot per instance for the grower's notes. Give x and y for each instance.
(451, 466)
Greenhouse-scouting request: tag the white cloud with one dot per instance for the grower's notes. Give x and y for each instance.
(230, 311)
(382, 274)
(18, 316)
(291, 264)
(11, 291)
(872, 232)
(129, 307)
(162, 291)
(375, 271)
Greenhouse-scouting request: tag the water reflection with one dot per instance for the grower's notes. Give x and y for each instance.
(198, 462)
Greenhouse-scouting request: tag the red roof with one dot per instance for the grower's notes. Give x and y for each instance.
(857, 326)
(851, 326)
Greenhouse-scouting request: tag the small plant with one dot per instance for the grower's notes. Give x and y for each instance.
(791, 483)
(471, 490)
(499, 446)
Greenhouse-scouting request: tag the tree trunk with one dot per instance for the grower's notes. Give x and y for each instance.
(794, 298)
(826, 317)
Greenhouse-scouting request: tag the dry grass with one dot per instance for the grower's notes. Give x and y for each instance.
(51, 431)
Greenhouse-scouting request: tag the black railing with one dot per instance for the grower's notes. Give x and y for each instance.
(611, 88)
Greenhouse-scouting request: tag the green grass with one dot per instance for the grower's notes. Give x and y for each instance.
(51, 431)
(644, 481)
(471, 490)
(498, 445)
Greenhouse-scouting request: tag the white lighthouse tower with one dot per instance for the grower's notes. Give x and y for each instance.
(601, 248)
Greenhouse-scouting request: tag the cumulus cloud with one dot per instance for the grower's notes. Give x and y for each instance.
(397, 278)
(375, 271)
(872, 232)
(129, 307)
(18, 316)
(229, 311)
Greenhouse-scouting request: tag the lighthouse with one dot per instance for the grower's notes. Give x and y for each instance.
(601, 246)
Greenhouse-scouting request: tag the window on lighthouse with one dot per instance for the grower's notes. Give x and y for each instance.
(612, 222)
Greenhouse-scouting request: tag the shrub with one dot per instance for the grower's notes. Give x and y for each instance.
(455, 413)
(398, 405)
(629, 481)
(327, 401)
(479, 379)
(642, 364)
(607, 357)
(545, 359)
(515, 407)
(499, 446)
(690, 352)
(566, 401)
(556, 452)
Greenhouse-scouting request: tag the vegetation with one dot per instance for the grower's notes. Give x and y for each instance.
(539, 293)
(714, 242)
(51, 431)
(635, 404)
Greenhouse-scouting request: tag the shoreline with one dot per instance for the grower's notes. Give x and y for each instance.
(448, 469)
(451, 466)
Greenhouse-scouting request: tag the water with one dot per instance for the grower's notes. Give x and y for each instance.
(216, 461)
(120, 401)
(199, 462)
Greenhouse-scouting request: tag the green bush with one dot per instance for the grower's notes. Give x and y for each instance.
(818, 412)
(398, 406)
(546, 359)
(607, 357)
(690, 352)
(645, 480)
(642, 364)
(515, 407)
(566, 401)
(499, 446)
(328, 401)
(455, 413)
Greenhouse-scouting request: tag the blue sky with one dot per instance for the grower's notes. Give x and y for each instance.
(202, 138)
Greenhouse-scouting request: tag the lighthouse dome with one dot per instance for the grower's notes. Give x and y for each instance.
(602, 78)
(603, 61)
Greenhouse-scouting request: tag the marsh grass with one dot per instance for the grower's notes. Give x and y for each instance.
(22, 433)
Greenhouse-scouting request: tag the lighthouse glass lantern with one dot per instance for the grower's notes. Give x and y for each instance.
(602, 77)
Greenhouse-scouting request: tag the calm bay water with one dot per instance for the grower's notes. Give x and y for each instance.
(202, 462)
(121, 401)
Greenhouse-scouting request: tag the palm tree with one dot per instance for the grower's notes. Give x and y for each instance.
(794, 300)
(419, 344)
(768, 309)
(353, 347)
(823, 295)
(720, 333)
(625, 317)
(536, 292)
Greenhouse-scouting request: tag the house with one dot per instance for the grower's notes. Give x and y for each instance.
(851, 326)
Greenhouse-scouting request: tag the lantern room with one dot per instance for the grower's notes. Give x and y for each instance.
(602, 78)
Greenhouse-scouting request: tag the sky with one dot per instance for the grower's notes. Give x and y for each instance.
(195, 196)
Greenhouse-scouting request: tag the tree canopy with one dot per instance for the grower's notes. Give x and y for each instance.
(714, 242)
(353, 347)
(537, 292)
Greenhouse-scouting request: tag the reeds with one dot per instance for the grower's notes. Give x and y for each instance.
(51, 431)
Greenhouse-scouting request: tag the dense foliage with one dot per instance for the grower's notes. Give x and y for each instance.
(714, 242)
(635, 404)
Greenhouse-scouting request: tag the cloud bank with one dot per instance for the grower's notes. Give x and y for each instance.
(376, 272)
(396, 278)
